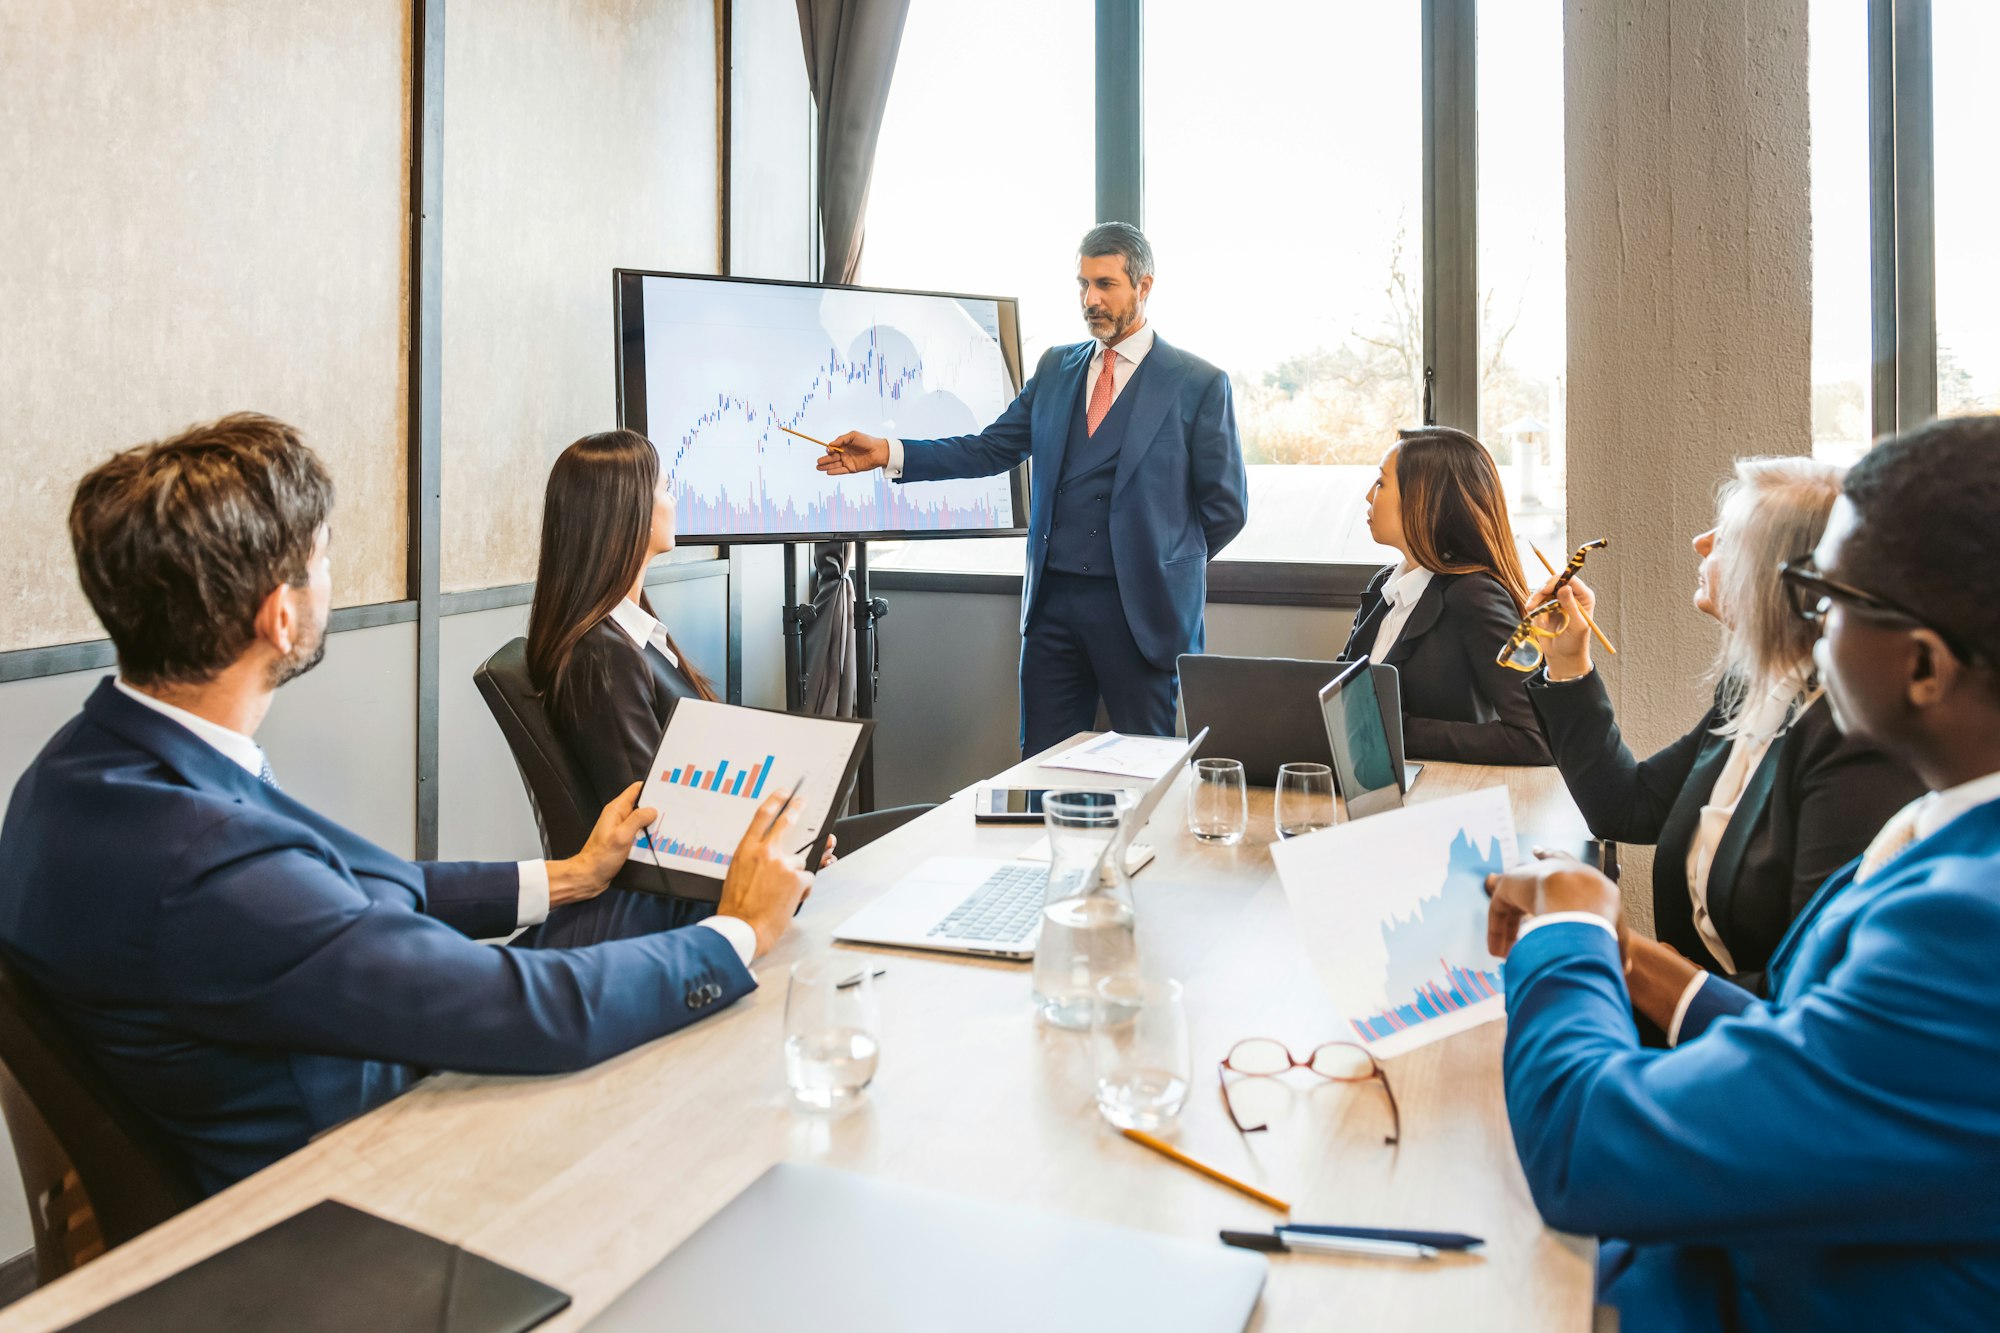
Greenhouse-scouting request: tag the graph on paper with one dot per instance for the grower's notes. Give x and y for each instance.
(716, 762)
(729, 367)
(1392, 911)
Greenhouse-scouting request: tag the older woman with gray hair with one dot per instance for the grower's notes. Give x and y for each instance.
(1757, 805)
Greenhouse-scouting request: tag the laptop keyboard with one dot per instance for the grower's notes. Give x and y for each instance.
(1003, 909)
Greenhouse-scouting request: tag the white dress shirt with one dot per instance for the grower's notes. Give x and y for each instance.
(1130, 352)
(1399, 598)
(533, 908)
(642, 629)
(1760, 724)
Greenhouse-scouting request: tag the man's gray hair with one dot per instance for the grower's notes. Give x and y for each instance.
(1119, 238)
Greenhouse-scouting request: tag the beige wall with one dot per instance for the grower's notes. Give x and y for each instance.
(204, 211)
(1689, 307)
(580, 137)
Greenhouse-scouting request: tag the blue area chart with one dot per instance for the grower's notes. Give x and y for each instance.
(729, 369)
(1421, 944)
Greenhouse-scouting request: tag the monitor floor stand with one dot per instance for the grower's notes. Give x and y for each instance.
(868, 609)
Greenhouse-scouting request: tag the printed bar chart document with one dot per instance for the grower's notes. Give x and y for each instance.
(1392, 909)
(717, 761)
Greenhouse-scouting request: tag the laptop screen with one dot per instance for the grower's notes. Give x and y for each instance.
(1363, 764)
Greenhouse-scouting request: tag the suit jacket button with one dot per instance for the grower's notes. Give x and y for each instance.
(714, 991)
(693, 997)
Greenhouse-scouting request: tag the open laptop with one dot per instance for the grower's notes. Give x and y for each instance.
(1264, 711)
(857, 1255)
(1365, 767)
(979, 904)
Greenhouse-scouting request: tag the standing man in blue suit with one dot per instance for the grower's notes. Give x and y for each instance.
(243, 969)
(1138, 482)
(1824, 1159)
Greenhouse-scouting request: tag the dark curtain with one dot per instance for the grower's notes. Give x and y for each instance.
(850, 56)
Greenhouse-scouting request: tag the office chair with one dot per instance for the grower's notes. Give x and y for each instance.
(96, 1172)
(564, 812)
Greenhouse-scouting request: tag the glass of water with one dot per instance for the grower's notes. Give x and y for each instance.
(831, 1024)
(1139, 1051)
(1218, 802)
(1305, 799)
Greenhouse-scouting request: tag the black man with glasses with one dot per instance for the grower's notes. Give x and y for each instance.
(1821, 1159)
(1762, 798)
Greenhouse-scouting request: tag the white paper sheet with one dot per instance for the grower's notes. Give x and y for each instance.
(1126, 756)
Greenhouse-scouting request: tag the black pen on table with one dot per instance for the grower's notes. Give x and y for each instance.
(1379, 1242)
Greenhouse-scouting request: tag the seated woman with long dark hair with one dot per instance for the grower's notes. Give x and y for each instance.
(1441, 615)
(608, 671)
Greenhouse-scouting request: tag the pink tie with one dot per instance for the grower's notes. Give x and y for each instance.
(1100, 396)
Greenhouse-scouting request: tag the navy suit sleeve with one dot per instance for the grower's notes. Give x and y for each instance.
(1846, 1116)
(1622, 797)
(1221, 487)
(1004, 444)
(1716, 998)
(268, 944)
(479, 899)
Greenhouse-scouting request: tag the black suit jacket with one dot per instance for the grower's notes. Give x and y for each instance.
(1810, 807)
(612, 720)
(1459, 704)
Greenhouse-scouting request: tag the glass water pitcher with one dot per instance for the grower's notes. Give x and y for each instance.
(1088, 923)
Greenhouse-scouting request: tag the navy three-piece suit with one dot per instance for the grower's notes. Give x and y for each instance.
(1823, 1160)
(1121, 526)
(249, 973)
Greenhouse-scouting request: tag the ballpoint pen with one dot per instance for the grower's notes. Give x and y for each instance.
(1441, 1240)
(1284, 1240)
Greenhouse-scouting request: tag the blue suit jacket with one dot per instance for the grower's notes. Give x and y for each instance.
(249, 973)
(1179, 495)
(1822, 1160)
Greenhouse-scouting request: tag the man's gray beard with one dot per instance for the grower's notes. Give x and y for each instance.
(300, 660)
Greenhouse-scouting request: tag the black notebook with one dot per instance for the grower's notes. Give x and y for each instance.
(336, 1269)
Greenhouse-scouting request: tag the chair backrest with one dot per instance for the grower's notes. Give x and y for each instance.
(857, 831)
(93, 1167)
(564, 812)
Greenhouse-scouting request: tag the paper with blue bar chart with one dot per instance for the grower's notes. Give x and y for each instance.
(1392, 912)
(717, 762)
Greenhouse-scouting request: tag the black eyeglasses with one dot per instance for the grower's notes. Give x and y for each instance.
(1812, 594)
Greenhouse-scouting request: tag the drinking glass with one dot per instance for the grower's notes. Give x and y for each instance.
(1305, 799)
(831, 1026)
(1088, 925)
(1139, 1051)
(1218, 802)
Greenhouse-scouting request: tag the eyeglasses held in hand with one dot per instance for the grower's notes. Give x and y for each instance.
(1813, 594)
(1523, 650)
(1335, 1061)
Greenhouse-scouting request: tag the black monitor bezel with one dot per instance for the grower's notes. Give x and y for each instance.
(628, 372)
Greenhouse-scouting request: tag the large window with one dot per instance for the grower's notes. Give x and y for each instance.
(1522, 352)
(1966, 127)
(1837, 110)
(983, 183)
(1284, 200)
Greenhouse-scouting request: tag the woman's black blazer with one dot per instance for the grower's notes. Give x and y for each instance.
(1810, 807)
(1459, 704)
(616, 713)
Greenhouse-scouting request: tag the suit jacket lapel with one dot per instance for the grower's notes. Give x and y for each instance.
(1157, 389)
(1423, 617)
(200, 763)
(1053, 416)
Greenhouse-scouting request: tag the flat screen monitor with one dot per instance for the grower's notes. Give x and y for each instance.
(1363, 763)
(716, 371)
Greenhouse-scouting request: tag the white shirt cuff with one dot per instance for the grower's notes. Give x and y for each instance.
(1537, 922)
(534, 908)
(895, 468)
(737, 931)
(1681, 1008)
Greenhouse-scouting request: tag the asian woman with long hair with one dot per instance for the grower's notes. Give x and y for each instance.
(1441, 614)
(609, 672)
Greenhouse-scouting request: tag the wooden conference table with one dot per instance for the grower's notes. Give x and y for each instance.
(587, 1180)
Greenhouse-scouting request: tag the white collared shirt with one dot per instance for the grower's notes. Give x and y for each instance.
(1130, 352)
(642, 629)
(1399, 598)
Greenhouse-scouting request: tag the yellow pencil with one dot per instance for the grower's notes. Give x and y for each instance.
(809, 439)
(1586, 615)
(1166, 1149)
